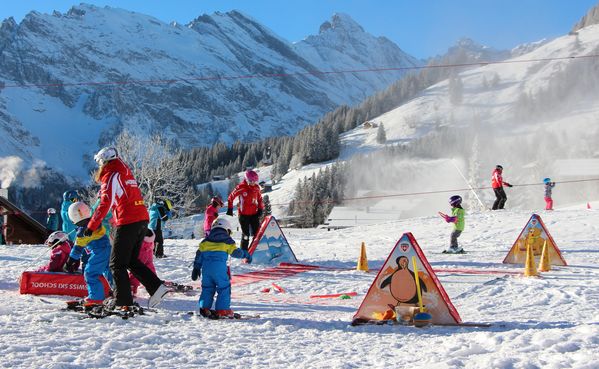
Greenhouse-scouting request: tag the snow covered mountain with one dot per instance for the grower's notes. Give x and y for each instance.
(72, 81)
(536, 114)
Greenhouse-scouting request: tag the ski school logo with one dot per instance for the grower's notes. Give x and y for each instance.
(404, 247)
(244, 194)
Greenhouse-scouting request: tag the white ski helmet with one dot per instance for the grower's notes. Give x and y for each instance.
(51, 211)
(79, 211)
(56, 237)
(105, 155)
(222, 222)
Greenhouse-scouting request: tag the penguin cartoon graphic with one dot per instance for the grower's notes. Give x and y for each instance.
(402, 283)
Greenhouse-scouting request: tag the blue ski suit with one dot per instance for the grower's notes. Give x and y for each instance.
(67, 224)
(211, 259)
(98, 247)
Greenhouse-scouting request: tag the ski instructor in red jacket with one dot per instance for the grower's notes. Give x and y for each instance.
(119, 191)
(250, 206)
(497, 184)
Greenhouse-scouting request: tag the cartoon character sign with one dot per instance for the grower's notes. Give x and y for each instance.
(270, 245)
(395, 286)
(402, 283)
(536, 235)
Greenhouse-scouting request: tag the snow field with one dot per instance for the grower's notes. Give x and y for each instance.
(546, 322)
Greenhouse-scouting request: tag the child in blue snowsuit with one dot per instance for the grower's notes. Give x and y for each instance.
(98, 247)
(211, 262)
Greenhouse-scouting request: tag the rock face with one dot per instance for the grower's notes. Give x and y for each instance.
(592, 17)
(73, 81)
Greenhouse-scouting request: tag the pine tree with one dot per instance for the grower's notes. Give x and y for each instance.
(381, 136)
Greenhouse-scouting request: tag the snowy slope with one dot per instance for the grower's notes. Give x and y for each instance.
(93, 72)
(545, 322)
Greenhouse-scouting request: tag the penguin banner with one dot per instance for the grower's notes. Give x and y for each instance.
(395, 289)
(534, 234)
(270, 245)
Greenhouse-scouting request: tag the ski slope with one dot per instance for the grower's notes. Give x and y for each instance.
(547, 322)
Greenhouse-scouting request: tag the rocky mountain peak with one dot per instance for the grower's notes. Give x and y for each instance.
(590, 18)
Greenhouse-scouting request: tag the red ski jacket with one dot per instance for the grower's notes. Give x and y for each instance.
(497, 179)
(120, 192)
(250, 198)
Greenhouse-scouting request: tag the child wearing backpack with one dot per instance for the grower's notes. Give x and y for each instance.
(457, 218)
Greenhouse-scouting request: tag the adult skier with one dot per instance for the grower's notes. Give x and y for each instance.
(249, 208)
(119, 191)
(497, 183)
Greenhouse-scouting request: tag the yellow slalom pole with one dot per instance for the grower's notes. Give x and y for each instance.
(417, 279)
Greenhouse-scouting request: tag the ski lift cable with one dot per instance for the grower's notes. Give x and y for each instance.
(291, 74)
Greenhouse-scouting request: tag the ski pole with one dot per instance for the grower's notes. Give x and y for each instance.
(62, 239)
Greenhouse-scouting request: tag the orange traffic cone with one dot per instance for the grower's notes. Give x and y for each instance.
(545, 264)
(362, 261)
(588, 205)
(530, 269)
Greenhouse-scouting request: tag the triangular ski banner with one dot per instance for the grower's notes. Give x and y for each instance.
(395, 287)
(534, 233)
(270, 245)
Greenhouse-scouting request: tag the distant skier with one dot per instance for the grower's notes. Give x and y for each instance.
(98, 246)
(211, 213)
(458, 219)
(68, 198)
(548, 189)
(160, 212)
(497, 183)
(250, 206)
(211, 263)
(60, 245)
(52, 220)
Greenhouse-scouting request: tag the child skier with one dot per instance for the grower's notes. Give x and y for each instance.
(98, 246)
(211, 263)
(211, 213)
(52, 220)
(146, 256)
(548, 189)
(457, 218)
(61, 248)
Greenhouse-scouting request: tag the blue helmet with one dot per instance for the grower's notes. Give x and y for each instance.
(546, 180)
(455, 200)
(70, 195)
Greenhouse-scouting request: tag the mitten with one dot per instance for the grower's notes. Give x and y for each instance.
(195, 274)
(70, 266)
(259, 213)
(230, 212)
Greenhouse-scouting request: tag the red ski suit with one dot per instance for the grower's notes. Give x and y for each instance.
(250, 198)
(120, 192)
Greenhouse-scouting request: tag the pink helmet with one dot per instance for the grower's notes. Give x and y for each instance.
(251, 176)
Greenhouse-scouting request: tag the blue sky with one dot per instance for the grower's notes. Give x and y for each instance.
(420, 27)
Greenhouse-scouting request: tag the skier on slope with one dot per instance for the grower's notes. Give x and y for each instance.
(497, 183)
(160, 212)
(211, 213)
(59, 242)
(98, 247)
(52, 220)
(250, 206)
(146, 256)
(548, 190)
(457, 218)
(119, 191)
(211, 263)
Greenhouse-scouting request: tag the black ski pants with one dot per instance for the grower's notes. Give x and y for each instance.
(250, 224)
(125, 256)
(158, 241)
(501, 198)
